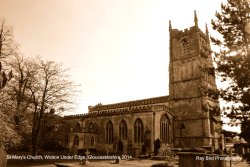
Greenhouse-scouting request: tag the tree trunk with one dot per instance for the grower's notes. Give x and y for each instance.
(34, 148)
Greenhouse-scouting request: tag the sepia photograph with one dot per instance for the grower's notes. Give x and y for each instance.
(124, 83)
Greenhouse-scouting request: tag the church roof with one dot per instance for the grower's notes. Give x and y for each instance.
(141, 102)
(135, 106)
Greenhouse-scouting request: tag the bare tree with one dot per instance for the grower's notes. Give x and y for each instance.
(7, 44)
(51, 89)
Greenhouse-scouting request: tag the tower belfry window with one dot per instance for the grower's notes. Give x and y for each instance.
(185, 46)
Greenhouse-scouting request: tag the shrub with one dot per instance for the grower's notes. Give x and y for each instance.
(166, 152)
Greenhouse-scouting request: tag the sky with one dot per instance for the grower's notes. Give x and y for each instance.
(118, 50)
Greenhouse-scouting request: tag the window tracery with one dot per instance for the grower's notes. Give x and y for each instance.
(109, 132)
(164, 128)
(123, 129)
(138, 131)
(185, 46)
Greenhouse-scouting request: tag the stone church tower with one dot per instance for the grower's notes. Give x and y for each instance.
(192, 89)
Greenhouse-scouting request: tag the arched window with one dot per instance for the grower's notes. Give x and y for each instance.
(92, 141)
(109, 132)
(138, 131)
(185, 46)
(77, 128)
(91, 127)
(203, 44)
(123, 129)
(76, 140)
(164, 129)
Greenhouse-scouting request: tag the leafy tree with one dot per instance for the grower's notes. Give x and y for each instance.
(19, 95)
(8, 136)
(7, 48)
(233, 59)
(53, 132)
(36, 86)
(245, 130)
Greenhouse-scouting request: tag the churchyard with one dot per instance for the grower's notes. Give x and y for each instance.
(101, 163)
(123, 163)
(25, 160)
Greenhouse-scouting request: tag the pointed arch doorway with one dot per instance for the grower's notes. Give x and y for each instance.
(119, 147)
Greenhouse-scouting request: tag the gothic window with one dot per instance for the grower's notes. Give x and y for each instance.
(185, 46)
(76, 140)
(164, 129)
(123, 129)
(203, 44)
(91, 127)
(138, 131)
(92, 141)
(204, 48)
(77, 128)
(109, 132)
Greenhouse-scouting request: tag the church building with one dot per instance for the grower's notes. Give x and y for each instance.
(188, 117)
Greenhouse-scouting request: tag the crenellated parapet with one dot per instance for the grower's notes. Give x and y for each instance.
(175, 33)
(121, 111)
(112, 112)
(128, 104)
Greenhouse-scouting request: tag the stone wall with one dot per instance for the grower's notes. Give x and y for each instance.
(151, 130)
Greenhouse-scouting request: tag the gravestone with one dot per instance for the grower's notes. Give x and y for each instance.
(117, 160)
(85, 161)
(3, 158)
